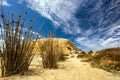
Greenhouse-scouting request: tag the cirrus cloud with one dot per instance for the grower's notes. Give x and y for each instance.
(60, 12)
(110, 39)
(5, 3)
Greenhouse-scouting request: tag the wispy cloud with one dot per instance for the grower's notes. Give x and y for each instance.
(103, 23)
(20, 1)
(98, 23)
(22, 35)
(111, 38)
(92, 44)
(114, 29)
(5, 3)
(110, 41)
(60, 12)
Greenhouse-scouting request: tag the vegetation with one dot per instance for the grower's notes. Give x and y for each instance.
(83, 54)
(90, 52)
(51, 53)
(16, 52)
(107, 59)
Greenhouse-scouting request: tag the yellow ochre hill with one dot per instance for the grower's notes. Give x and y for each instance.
(64, 44)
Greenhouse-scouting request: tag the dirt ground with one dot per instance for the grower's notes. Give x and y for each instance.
(71, 69)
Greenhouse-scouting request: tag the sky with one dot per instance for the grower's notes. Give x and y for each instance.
(89, 24)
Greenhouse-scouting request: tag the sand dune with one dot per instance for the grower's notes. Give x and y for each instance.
(71, 69)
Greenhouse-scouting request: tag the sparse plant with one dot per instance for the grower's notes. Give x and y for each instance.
(51, 53)
(16, 50)
(90, 52)
(81, 54)
(108, 59)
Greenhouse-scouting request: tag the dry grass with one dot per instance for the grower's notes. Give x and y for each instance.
(51, 53)
(83, 55)
(108, 59)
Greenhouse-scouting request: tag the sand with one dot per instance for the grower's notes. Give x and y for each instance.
(71, 69)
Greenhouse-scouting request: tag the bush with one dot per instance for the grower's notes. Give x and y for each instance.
(108, 59)
(83, 55)
(51, 53)
(17, 45)
(80, 55)
(90, 52)
(62, 57)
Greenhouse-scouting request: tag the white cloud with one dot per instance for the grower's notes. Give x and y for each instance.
(20, 1)
(33, 33)
(5, 3)
(60, 12)
(110, 42)
(110, 39)
(92, 44)
(80, 39)
(112, 30)
(22, 36)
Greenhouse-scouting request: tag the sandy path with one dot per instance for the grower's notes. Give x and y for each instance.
(71, 69)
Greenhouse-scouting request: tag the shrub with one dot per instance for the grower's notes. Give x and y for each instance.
(17, 46)
(83, 55)
(51, 53)
(108, 59)
(90, 52)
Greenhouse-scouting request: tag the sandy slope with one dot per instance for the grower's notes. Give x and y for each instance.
(71, 69)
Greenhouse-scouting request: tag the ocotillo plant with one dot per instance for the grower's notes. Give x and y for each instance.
(17, 44)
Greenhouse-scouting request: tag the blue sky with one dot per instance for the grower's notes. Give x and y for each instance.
(90, 24)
